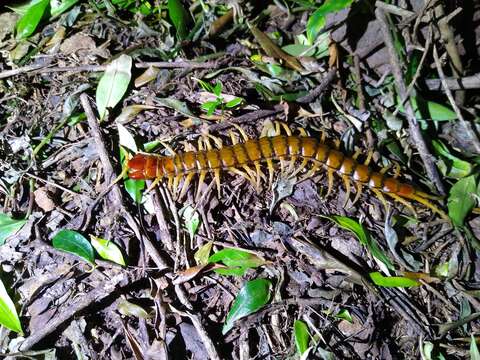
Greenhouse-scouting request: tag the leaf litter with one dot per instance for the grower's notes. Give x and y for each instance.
(277, 272)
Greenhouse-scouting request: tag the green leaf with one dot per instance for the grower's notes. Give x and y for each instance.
(458, 168)
(27, 24)
(317, 20)
(252, 297)
(179, 17)
(126, 139)
(8, 313)
(133, 187)
(299, 50)
(461, 199)
(392, 281)
(191, 219)
(128, 308)
(210, 106)
(234, 102)
(238, 261)
(474, 353)
(363, 236)
(201, 255)
(429, 109)
(9, 226)
(302, 336)
(113, 84)
(217, 90)
(74, 243)
(107, 250)
(344, 314)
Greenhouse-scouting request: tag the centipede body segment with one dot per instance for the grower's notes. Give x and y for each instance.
(297, 153)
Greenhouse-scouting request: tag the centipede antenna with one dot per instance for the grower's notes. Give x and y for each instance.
(330, 172)
(216, 175)
(346, 181)
(186, 183)
(201, 180)
(403, 202)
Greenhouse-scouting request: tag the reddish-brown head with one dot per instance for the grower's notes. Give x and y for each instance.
(137, 166)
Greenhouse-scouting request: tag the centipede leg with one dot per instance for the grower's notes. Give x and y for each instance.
(152, 185)
(235, 171)
(169, 148)
(369, 157)
(287, 129)
(346, 181)
(270, 171)
(302, 132)
(330, 180)
(216, 175)
(176, 181)
(356, 154)
(186, 183)
(242, 132)
(201, 180)
(380, 196)
(253, 177)
(300, 168)
(385, 169)
(170, 183)
(396, 170)
(430, 205)
(403, 202)
(359, 188)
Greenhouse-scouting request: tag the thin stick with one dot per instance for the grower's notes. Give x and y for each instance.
(467, 82)
(415, 132)
(448, 92)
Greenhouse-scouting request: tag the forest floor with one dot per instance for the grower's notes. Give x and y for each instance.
(279, 262)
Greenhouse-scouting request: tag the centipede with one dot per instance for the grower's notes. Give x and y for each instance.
(292, 154)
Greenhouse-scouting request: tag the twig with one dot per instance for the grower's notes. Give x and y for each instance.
(249, 117)
(116, 194)
(21, 70)
(467, 82)
(100, 292)
(448, 92)
(415, 132)
(331, 75)
(395, 10)
(178, 64)
(447, 35)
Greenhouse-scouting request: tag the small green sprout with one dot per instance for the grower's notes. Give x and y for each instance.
(219, 102)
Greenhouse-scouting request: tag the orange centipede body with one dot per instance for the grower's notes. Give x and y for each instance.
(288, 150)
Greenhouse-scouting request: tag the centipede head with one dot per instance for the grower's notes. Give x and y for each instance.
(137, 166)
